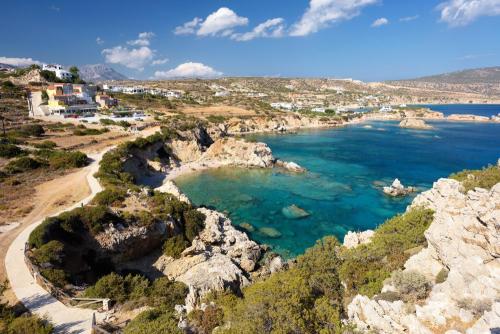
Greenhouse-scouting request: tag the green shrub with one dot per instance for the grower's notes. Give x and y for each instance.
(89, 132)
(411, 283)
(476, 306)
(167, 293)
(22, 164)
(29, 325)
(119, 288)
(32, 130)
(154, 321)
(55, 276)
(109, 197)
(65, 160)
(194, 222)
(107, 121)
(484, 178)
(174, 246)
(10, 151)
(42, 233)
(46, 144)
(442, 276)
(365, 267)
(51, 252)
(390, 296)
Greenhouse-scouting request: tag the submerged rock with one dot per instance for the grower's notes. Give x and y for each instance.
(247, 227)
(290, 166)
(270, 232)
(398, 189)
(294, 212)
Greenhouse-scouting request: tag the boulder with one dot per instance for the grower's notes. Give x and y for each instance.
(414, 123)
(270, 232)
(398, 189)
(353, 239)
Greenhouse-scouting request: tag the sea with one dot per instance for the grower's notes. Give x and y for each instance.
(346, 170)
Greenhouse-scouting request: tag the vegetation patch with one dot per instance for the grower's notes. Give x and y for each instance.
(10, 151)
(484, 178)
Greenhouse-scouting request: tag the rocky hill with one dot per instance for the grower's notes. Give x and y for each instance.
(481, 80)
(454, 280)
(100, 72)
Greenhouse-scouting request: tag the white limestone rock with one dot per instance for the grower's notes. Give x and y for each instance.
(353, 239)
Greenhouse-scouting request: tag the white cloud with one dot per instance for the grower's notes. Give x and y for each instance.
(143, 40)
(188, 70)
(135, 58)
(19, 61)
(99, 41)
(462, 12)
(380, 22)
(160, 61)
(270, 28)
(409, 18)
(322, 13)
(219, 23)
(188, 27)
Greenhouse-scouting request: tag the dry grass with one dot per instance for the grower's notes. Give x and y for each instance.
(222, 110)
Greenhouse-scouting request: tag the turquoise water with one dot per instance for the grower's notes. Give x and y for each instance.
(341, 190)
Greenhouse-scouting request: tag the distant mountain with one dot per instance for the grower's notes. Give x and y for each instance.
(477, 75)
(7, 66)
(485, 81)
(99, 72)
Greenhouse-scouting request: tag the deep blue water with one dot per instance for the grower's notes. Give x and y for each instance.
(476, 109)
(341, 189)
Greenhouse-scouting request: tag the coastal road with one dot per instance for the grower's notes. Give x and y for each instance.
(34, 297)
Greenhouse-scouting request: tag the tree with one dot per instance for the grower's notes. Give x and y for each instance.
(45, 96)
(74, 71)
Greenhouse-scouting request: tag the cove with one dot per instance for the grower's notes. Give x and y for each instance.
(341, 191)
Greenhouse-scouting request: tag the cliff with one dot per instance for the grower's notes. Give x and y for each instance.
(461, 266)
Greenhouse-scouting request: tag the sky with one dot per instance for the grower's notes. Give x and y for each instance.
(370, 40)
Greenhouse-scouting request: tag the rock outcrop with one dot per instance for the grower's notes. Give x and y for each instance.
(221, 257)
(235, 152)
(467, 118)
(414, 123)
(123, 243)
(353, 239)
(464, 242)
(398, 189)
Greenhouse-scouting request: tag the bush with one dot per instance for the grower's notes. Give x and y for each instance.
(154, 321)
(194, 222)
(442, 276)
(89, 132)
(411, 283)
(390, 296)
(29, 324)
(174, 246)
(55, 276)
(10, 151)
(365, 267)
(167, 293)
(205, 321)
(110, 197)
(119, 288)
(32, 130)
(476, 306)
(485, 178)
(65, 160)
(22, 164)
(51, 252)
(46, 144)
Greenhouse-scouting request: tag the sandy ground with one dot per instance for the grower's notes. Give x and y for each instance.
(52, 196)
(218, 111)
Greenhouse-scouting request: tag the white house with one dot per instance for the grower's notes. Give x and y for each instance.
(133, 90)
(58, 70)
(386, 109)
(222, 93)
(318, 109)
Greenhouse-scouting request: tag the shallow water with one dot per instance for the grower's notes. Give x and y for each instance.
(346, 168)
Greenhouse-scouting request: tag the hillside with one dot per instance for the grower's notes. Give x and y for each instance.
(100, 72)
(481, 80)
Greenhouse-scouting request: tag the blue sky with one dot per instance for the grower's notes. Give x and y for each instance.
(364, 39)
